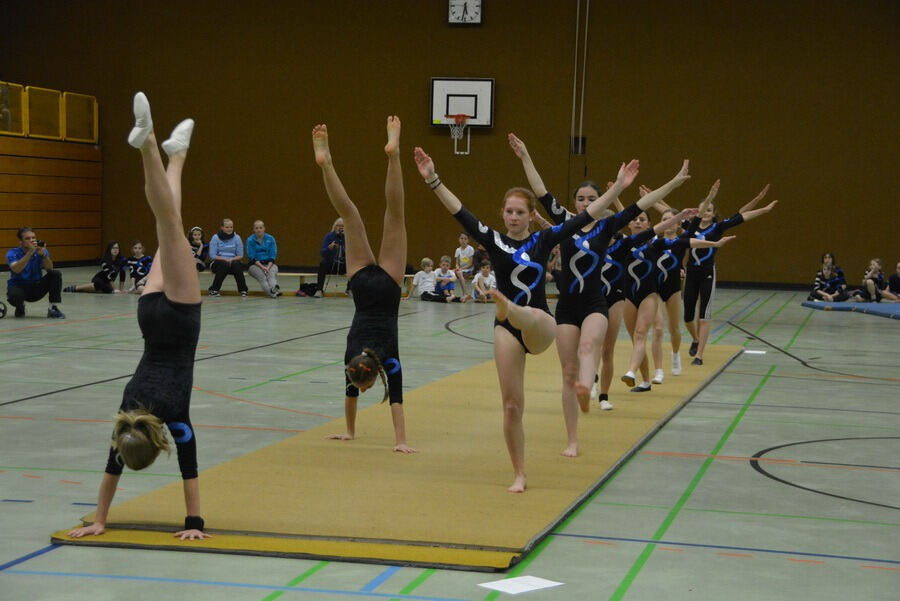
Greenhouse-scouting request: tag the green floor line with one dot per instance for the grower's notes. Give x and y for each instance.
(298, 579)
(756, 514)
(520, 567)
(742, 319)
(77, 471)
(774, 315)
(629, 578)
(409, 588)
(800, 329)
(282, 378)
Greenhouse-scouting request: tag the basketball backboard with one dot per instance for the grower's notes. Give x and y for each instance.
(462, 96)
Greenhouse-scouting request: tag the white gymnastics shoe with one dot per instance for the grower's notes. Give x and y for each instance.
(180, 140)
(676, 364)
(628, 378)
(143, 122)
(658, 377)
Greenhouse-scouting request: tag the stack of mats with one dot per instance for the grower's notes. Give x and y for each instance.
(446, 506)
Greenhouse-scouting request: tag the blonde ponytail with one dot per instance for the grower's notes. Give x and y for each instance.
(138, 437)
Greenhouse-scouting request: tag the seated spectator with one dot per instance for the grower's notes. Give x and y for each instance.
(424, 283)
(873, 283)
(483, 282)
(261, 253)
(138, 267)
(892, 292)
(830, 283)
(113, 265)
(446, 282)
(226, 251)
(465, 266)
(26, 284)
(200, 247)
(334, 259)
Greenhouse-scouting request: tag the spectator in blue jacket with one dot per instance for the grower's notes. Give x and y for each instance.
(26, 282)
(226, 251)
(334, 260)
(261, 254)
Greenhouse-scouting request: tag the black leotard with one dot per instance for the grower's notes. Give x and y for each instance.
(670, 256)
(581, 287)
(700, 273)
(618, 255)
(376, 297)
(162, 382)
(519, 265)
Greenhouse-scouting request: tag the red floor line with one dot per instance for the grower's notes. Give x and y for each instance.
(741, 555)
(813, 561)
(671, 549)
(69, 482)
(600, 542)
(234, 398)
(881, 568)
(33, 477)
(14, 417)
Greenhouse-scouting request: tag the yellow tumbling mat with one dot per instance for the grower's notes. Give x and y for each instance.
(446, 506)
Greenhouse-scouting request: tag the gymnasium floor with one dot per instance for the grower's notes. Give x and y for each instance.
(690, 516)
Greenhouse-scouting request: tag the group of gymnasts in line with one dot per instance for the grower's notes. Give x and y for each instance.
(169, 309)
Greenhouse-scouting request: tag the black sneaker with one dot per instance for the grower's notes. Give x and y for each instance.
(697, 361)
(693, 349)
(243, 293)
(641, 388)
(20, 311)
(70, 289)
(214, 293)
(53, 313)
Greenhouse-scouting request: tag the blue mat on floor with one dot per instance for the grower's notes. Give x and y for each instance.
(891, 310)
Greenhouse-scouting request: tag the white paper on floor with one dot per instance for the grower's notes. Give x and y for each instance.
(522, 584)
(754, 352)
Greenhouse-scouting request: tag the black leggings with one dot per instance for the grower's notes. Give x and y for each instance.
(329, 267)
(699, 284)
(222, 269)
(50, 284)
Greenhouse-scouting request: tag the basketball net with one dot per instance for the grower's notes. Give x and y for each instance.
(457, 129)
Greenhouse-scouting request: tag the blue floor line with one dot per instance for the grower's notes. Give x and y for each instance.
(733, 317)
(673, 543)
(25, 558)
(380, 579)
(18, 500)
(247, 585)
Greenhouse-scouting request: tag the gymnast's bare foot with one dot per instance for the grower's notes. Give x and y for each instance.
(502, 305)
(518, 484)
(583, 394)
(320, 145)
(393, 134)
(571, 450)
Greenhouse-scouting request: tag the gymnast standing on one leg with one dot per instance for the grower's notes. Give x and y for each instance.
(169, 317)
(523, 323)
(372, 341)
(581, 313)
(700, 279)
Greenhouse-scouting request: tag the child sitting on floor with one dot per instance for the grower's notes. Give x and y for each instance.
(483, 282)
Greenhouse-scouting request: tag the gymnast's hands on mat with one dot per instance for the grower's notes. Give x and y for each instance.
(192, 534)
(94, 529)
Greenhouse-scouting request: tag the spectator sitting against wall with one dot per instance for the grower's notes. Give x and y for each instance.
(226, 251)
(261, 253)
(334, 260)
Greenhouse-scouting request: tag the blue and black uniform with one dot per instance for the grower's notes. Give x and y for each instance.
(376, 297)
(618, 256)
(700, 277)
(138, 268)
(109, 271)
(836, 284)
(582, 254)
(519, 265)
(669, 259)
(641, 281)
(162, 382)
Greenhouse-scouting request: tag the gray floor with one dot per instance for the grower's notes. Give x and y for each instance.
(688, 517)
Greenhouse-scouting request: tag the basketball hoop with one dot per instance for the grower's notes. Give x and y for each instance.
(457, 129)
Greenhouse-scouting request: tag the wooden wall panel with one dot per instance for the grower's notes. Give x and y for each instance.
(798, 94)
(55, 188)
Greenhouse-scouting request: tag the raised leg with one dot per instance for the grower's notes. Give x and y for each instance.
(392, 256)
(359, 253)
(537, 326)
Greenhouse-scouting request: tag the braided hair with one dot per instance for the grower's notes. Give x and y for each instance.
(362, 368)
